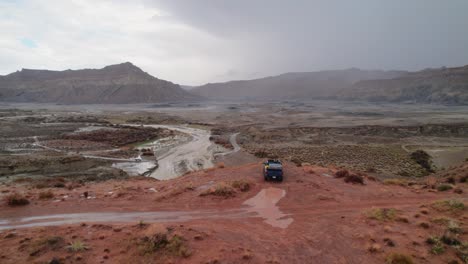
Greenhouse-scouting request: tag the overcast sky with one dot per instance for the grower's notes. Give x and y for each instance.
(197, 41)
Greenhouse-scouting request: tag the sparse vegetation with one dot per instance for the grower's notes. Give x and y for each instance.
(398, 258)
(77, 246)
(341, 174)
(449, 205)
(453, 227)
(45, 244)
(261, 154)
(437, 247)
(395, 181)
(174, 246)
(241, 185)
(424, 225)
(382, 214)
(423, 159)
(142, 224)
(444, 187)
(16, 199)
(46, 195)
(221, 189)
(354, 178)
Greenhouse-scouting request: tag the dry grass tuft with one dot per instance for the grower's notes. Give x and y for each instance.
(241, 185)
(221, 189)
(449, 205)
(160, 243)
(398, 258)
(400, 182)
(382, 214)
(46, 195)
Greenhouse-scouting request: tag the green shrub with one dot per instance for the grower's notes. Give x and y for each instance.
(444, 187)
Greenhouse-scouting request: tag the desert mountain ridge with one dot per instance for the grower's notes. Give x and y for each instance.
(440, 86)
(114, 84)
(292, 85)
(125, 83)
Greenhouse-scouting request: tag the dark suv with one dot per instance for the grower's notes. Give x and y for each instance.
(273, 170)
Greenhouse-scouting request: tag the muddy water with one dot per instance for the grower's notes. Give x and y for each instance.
(135, 168)
(264, 205)
(193, 155)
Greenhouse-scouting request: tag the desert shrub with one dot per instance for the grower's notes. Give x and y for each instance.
(160, 242)
(297, 161)
(453, 227)
(424, 225)
(449, 205)
(341, 174)
(46, 244)
(242, 185)
(423, 159)
(176, 247)
(463, 179)
(222, 190)
(450, 240)
(46, 195)
(437, 247)
(382, 214)
(462, 252)
(16, 199)
(398, 258)
(261, 154)
(77, 246)
(450, 180)
(444, 187)
(400, 182)
(354, 178)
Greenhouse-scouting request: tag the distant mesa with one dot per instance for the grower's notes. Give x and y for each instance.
(122, 83)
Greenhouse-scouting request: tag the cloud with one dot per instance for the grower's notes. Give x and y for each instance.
(193, 42)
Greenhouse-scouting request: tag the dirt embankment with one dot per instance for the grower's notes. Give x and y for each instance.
(331, 220)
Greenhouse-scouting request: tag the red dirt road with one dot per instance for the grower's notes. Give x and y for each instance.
(317, 219)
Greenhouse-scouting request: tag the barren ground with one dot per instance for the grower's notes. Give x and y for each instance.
(83, 209)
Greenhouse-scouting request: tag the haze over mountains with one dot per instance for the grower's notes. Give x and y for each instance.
(444, 85)
(294, 85)
(125, 83)
(114, 84)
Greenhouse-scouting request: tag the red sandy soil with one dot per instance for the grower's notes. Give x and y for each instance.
(329, 221)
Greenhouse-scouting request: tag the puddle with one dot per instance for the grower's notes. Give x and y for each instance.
(109, 217)
(264, 205)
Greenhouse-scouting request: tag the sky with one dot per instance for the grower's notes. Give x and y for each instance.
(193, 42)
